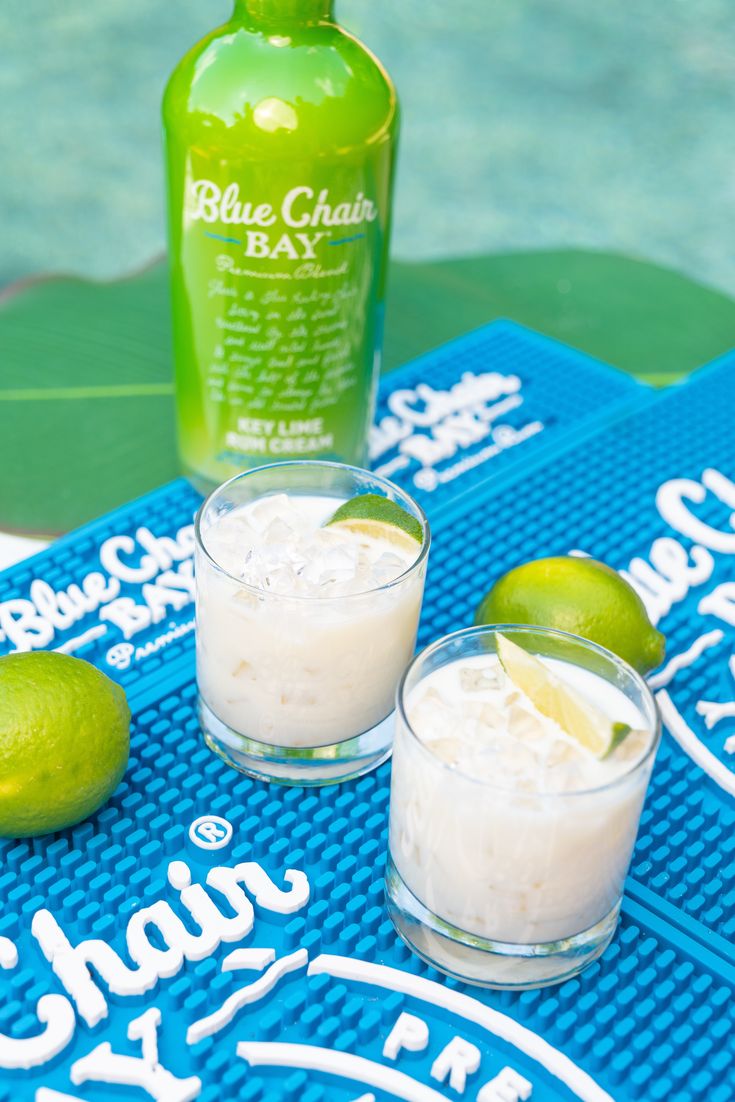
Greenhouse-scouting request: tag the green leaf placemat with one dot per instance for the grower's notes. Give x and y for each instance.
(653, 322)
(86, 415)
(86, 411)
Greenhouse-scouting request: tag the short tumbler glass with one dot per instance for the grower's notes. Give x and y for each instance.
(301, 689)
(502, 886)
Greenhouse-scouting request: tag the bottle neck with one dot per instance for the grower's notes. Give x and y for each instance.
(285, 12)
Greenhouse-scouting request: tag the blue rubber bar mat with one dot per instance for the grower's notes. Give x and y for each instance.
(485, 403)
(119, 592)
(299, 992)
(318, 1014)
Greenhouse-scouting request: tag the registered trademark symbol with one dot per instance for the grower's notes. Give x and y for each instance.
(210, 832)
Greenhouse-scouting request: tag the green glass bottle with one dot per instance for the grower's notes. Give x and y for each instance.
(280, 132)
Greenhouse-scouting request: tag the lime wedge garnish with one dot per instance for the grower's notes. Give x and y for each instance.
(379, 518)
(576, 716)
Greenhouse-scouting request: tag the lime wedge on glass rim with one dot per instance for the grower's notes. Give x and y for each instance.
(380, 518)
(576, 716)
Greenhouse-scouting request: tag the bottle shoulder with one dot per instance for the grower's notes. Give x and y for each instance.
(306, 91)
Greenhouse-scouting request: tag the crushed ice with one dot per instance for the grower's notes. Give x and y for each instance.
(275, 547)
(493, 733)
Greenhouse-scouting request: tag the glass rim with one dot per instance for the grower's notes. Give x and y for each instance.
(494, 629)
(329, 465)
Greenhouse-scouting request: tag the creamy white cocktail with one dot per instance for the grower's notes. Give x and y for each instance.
(510, 838)
(304, 626)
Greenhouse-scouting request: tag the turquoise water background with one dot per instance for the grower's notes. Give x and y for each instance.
(527, 124)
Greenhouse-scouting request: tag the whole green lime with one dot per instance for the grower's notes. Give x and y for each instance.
(64, 741)
(582, 596)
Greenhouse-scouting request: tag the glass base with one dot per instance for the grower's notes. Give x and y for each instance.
(300, 765)
(486, 963)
